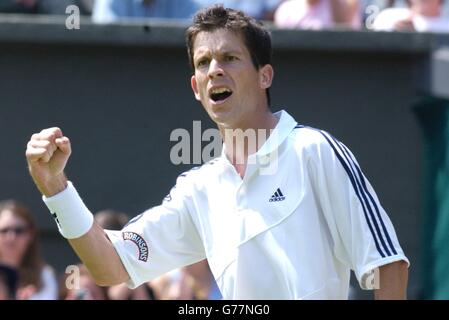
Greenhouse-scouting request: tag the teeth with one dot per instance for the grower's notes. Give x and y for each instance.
(220, 90)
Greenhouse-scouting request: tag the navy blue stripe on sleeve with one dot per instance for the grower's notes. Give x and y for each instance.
(362, 193)
(355, 184)
(376, 207)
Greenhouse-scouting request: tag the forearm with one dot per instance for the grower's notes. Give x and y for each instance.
(53, 186)
(86, 237)
(343, 11)
(393, 282)
(47, 154)
(99, 256)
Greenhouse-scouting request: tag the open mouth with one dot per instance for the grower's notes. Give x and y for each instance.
(220, 94)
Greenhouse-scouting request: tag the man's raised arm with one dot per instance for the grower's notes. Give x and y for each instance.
(47, 155)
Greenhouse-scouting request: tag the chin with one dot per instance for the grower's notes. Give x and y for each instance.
(218, 112)
(222, 117)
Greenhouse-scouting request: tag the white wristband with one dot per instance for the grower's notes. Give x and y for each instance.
(71, 214)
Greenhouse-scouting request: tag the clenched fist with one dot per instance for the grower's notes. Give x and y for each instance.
(47, 154)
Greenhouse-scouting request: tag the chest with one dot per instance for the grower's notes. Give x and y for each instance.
(235, 211)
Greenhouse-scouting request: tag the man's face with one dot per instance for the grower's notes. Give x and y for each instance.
(226, 82)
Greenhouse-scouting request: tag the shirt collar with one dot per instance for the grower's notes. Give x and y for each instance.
(283, 128)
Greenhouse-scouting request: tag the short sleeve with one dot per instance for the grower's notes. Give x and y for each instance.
(363, 235)
(161, 239)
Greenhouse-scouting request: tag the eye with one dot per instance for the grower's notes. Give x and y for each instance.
(231, 58)
(202, 62)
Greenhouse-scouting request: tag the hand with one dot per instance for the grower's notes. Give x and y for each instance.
(47, 155)
(25, 293)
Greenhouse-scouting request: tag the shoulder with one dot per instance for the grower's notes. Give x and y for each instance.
(316, 144)
(290, 4)
(305, 137)
(196, 175)
(286, 8)
(387, 18)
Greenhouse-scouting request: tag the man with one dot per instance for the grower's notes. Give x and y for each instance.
(286, 217)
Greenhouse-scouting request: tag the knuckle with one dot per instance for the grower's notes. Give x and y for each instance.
(56, 130)
(28, 152)
(49, 132)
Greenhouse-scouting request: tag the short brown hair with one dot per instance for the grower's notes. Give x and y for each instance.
(257, 39)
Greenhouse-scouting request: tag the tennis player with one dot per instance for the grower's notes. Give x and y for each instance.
(287, 217)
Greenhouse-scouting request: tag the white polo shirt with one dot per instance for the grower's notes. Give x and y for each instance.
(294, 233)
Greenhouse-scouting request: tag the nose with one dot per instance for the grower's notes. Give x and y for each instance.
(215, 69)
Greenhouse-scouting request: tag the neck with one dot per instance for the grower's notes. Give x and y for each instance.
(247, 138)
(13, 262)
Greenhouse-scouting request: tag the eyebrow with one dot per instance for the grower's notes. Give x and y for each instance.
(224, 52)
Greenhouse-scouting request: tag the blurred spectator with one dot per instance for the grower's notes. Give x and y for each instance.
(259, 9)
(88, 289)
(420, 15)
(114, 220)
(204, 283)
(8, 283)
(381, 4)
(193, 282)
(371, 8)
(20, 6)
(111, 219)
(43, 6)
(176, 285)
(58, 7)
(107, 11)
(19, 249)
(318, 14)
(168, 287)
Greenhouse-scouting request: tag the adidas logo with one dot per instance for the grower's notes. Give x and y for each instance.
(277, 196)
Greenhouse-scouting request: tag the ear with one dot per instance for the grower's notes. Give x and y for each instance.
(195, 88)
(266, 74)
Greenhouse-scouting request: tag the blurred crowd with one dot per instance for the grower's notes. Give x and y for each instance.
(377, 15)
(25, 275)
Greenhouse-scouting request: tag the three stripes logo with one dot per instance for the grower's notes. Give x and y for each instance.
(277, 196)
